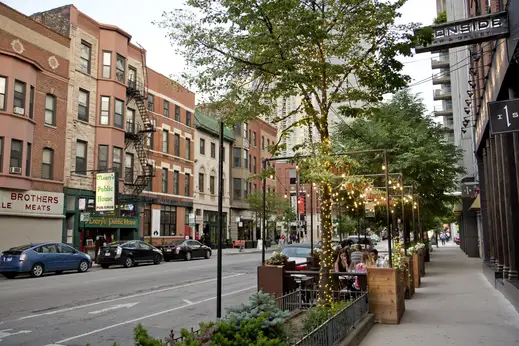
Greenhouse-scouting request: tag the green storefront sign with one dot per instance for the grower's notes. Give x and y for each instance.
(112, 222)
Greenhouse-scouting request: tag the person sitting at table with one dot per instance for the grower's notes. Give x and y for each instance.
(343, 261)
(356, 255)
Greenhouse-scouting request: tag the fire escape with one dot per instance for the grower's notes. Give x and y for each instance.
(136, 134)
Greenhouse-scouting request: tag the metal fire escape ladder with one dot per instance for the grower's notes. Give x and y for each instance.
(137, 135)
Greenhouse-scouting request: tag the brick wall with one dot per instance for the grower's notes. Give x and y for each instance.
(58, 19)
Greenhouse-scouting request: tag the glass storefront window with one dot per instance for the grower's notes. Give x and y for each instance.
(168, 220)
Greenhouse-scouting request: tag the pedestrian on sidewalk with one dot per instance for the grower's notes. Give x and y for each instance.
(443, 237)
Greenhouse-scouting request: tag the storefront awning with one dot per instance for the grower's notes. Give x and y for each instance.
(476, 204)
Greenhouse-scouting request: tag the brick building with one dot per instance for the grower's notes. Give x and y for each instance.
(252, 143)
(127, 119)
(34, 65)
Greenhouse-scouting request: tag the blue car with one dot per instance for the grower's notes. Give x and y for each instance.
(37, 259)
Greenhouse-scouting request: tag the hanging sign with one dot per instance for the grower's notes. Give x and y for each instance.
(105, 191)
(467, 31)
(369, 209)
(504, 116)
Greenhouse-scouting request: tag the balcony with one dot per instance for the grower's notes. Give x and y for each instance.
(440, 62)
(442, 111)
(442, 94)
(444, 77)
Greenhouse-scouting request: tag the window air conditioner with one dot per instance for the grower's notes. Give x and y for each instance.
(15, 170)
(19, 110)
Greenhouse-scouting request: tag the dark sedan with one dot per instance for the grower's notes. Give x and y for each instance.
(128, 253)
(185, 249)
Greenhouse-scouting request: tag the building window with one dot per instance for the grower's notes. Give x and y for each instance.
(236, 188)
(262, 143)
(176, 144)
(28, 160)
(3, 92)
(102, 157)
(250, 163)
(149, 140)
(50, 110)
(236, 153)
(245, 189)
(213, 150)
(83, 101)
(211, 184)
(245, 158)
(175, 182)
(151, 102)
(120, 68)
(165, 141)
(128, 168)
(268, 144)
(31, 103)
(187, 184)
(130, 121)
(107, 64)
(81, 157)
(47, 163)
(201, 179)
(119, 114)
(150, 171)
(1, 154)
(254, 138)
(19, 94)
(16, 153)
(132, 76)
(246, 130)
(188, 119)
(255, 166)
(85, 56)
(147, 220)
(202, 146)
(188, 148)
(105, 110)
(164, 180)
(117, 156)
(168, 220)
(237, 130)
(177, 113)
(166, 108)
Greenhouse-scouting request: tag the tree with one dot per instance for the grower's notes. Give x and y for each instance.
(244, 56)
(277, 208)
(419, 151)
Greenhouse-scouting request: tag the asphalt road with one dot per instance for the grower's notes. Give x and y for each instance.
(104, 305)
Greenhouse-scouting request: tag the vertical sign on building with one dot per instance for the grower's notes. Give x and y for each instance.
(105, 191)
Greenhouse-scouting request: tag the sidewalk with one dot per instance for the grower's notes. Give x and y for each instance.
(454, 306)
(268, 251)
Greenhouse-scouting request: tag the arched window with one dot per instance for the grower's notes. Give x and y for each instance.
(47, 163)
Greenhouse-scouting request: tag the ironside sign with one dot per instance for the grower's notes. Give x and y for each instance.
(504, 116)
(467, 31)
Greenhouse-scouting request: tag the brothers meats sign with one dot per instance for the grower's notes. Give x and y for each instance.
(31, 202)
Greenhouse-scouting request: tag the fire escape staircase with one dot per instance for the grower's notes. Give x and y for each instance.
(137, 134)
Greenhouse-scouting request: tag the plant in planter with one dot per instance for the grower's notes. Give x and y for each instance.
(277, 259)
(315, 259)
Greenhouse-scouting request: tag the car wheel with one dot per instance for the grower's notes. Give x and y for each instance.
(128, 262)
(187, 257)
(37, 270)
(105, 266)
(83, 267)
(157, 259)
(207, 254)
(9, 275)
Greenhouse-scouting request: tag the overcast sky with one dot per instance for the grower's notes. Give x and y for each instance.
(135, 17)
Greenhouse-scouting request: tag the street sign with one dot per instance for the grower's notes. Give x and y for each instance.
(469, 189)
(84, 217)
(504, 116)
(192, 220)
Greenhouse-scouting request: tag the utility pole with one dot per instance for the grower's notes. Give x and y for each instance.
(220, 225)
(311, 217)
(298, 222)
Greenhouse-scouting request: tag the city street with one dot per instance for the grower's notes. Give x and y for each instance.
(104, 305)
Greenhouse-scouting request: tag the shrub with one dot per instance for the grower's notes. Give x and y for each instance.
(316, 316)
(142, 338)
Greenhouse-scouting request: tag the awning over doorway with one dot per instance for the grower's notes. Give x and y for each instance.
(476, 204)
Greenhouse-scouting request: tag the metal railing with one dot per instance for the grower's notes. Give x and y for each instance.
(172, 340)
(338, 326)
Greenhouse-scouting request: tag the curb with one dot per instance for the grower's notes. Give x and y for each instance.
(359, 331)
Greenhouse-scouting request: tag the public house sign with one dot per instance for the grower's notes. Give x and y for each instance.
(504, 116)
(467, 31)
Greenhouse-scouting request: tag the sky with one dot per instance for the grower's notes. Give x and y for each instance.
(136, 16)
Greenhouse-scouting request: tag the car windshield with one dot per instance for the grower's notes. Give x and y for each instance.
(22, 248)
(295, 251)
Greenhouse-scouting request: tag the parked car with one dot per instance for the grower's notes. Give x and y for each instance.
(457, 239)
(37, 259)
(128, 253)
(186, 250)
(299, 253)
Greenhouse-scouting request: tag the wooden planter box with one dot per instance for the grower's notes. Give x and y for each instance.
(415, 260)
(386, 294)
(408, 278)
(272, 279)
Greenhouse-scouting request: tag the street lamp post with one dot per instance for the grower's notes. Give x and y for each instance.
(220, 225)
(388, 220)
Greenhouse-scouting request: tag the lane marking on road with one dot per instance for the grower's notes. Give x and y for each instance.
(115, 307)
(8, 332)
(188, 302)
(151, 315)
(126, 297)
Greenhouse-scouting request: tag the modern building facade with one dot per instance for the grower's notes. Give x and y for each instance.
(252, 143)
(206, 176)
(34, 65)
